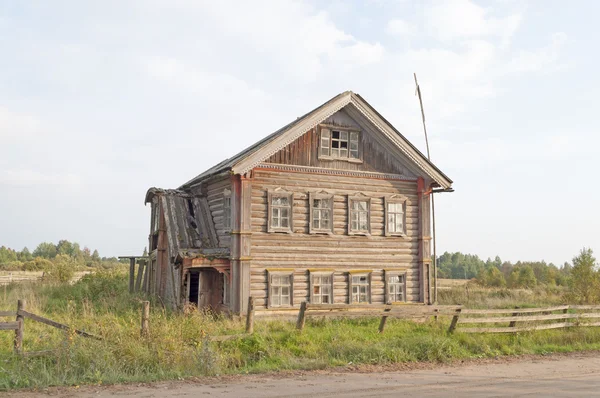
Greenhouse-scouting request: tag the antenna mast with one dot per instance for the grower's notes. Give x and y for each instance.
(435, 279)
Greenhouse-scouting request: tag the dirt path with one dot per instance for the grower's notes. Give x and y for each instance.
(574, 375)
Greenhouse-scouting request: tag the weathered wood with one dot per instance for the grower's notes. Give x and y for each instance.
(140, 274)
(511, 310)
(513, 323)
(301, 316)
(7, 313)
(525, 318)
(18, 345)
(145, 329)
(131, 273)
(518, 329)
(454, 321)
(9, 325)
(250, 316)
(52, 323)
(384, 318)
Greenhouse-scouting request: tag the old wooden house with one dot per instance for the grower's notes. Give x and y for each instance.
(332, 208)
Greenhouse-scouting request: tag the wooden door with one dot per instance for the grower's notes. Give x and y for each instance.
(209, 292)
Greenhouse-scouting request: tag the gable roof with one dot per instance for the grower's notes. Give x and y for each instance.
(250, 157)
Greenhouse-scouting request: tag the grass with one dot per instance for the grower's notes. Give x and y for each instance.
(179, 346)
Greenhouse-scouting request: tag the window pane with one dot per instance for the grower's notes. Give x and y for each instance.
(335, 134)
(284, 213)
(325, 133)
(343, 153)
(399, 226)
(325, 151)
(335, 152)
(344, 135)
(285, 223)
(362, 205)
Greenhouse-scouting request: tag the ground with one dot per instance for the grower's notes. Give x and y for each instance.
(572, 375)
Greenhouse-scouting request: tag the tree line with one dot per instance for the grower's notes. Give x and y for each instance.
(498, 273)
(48, 256)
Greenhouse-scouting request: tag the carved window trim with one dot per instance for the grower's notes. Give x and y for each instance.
(360, 197)
(394, 286)
(274, 281)
(321, 274)
(352, 284)
(395, 199)
(227, 210)
(349, 135)
(322, 195)
(280, 193)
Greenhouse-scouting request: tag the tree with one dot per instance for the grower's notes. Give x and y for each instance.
(527, 277)
(95, 256)
(62, 270)
(584, 282)
(64, 247)
(45, 250)
(25, 255)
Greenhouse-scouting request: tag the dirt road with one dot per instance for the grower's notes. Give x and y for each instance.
(575, 375)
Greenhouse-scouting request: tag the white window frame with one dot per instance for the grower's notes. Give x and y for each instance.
(227, 210)
(280, 193)
(351, 211)
(271, 275)
(402, 285)
(352, 285)
(349, 135)
(313, 297)
(395, 199)
(312, 196)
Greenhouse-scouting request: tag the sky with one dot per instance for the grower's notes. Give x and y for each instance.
(101, 100)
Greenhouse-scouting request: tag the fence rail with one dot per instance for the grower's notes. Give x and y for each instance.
(523, 319)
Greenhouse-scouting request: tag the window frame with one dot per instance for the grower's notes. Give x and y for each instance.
(270, 285)
(351, 285)
(392, 273)
(326, 135)
(227, 210)
(312, 196)
(359, 198)
(312, 275)
(280, 193)
(395, 199)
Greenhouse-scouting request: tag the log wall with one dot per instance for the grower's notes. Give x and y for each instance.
(339, 252)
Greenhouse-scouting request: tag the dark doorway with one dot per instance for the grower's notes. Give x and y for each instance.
(193, 287)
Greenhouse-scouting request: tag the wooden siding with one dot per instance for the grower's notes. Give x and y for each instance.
(339, 252)
(214, 192)
(374, 156)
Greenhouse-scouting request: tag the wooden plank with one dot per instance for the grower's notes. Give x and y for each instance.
(518, 329)
(131, 273)
(301, 316)
(7, 313)
(52, 323)
(511, 310)
(140, 273)
(250, 316)
(9, 325)
(522, 318)
(584, 307)
(345, 307)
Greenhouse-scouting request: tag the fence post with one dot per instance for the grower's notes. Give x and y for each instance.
(144, 332)
(250, 316)
(454, 321)
(19, 331)
(301, 316)
(513, 323)
(131, 273)
(384, 318)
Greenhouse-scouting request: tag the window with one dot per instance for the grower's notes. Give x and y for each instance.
(395, 290)
(321, 213)
(359, 217)
(395, 216)
(280, 211)
(280, 289)
(321, 288)
(227, 210)
(339, 144)
(360, 288)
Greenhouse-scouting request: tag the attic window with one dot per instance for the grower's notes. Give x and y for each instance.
(339, 143)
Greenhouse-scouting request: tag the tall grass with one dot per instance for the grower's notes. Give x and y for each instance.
(179, 345)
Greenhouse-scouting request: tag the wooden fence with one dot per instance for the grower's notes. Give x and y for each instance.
(523, 319)
(18, 327)
(405, 311)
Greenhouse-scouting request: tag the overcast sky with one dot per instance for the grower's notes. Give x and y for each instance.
(101, 100)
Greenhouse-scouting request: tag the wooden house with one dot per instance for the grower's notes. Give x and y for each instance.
(332, 208)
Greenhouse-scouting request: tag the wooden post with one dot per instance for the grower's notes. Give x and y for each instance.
(250, 316)
(145, 319)
(301, 316)
(19, 331)
(454, 321)
(513, 323)
(138, 280)
(131, 273)
(384, 318)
